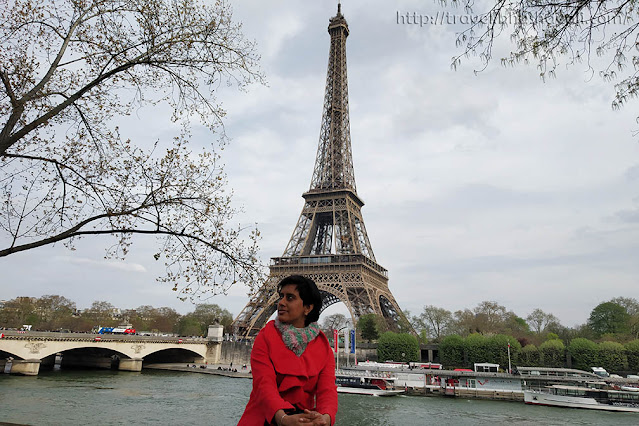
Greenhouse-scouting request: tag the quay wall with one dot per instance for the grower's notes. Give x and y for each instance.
(467, 393)
(237, 353)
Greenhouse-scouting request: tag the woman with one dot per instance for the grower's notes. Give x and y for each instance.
(292, 363)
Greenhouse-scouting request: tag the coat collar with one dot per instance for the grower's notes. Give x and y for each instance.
(309, 364)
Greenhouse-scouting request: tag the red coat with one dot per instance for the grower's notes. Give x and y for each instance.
(281, 378)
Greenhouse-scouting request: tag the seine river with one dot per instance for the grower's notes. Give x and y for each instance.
(172, 398)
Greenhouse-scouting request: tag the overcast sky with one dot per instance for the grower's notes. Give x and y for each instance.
(496, 186)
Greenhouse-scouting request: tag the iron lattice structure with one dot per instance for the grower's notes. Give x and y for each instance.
(329, 244)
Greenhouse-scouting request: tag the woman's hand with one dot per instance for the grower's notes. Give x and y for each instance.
(318, 418)
(306, 418)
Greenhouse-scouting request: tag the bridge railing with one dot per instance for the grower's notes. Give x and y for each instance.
(51, 335)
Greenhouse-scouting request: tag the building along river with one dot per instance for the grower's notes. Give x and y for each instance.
(173, 398)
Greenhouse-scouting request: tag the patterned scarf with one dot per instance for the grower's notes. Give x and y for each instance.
(295, 338)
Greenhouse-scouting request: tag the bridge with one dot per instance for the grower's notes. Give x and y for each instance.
(28, 352)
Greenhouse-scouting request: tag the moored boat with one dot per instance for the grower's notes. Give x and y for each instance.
(583, 397)
(366, 385)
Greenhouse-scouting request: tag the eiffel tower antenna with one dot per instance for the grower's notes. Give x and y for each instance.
(329, 243)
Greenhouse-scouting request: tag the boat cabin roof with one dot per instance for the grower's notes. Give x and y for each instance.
(555, 372)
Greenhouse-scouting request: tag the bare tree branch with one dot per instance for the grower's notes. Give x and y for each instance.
(69, 68)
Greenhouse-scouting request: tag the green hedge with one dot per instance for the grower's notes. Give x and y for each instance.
(400, 347)
(497, 349)
(451, 351)
(529, 356)
(632, 354)
(476, 348)
(584, 353)
(612, 356)
(552, 353)
(454, 351)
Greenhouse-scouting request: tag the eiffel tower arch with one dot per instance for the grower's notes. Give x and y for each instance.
(329, 243)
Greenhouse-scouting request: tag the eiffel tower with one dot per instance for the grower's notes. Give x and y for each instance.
(329, 243)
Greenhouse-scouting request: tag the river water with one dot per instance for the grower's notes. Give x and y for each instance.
(173, 398)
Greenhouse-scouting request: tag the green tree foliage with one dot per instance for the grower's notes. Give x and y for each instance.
(367, 326)
(632, 307)
(584, 353)
(609, 317)
(451, 351)
(476, 349)
(553, 353)
(69, 72)
(141, 317)
(529, 356)
(165, 320)
(515, 326)
(632, 354)
(497, 348)
(612, 356)
(567, 334)
(557, 34)
(53, 310)
(552, 336)
(19, 311)
(101, 313)
(401, 347)
(189, 326)
(209, 314)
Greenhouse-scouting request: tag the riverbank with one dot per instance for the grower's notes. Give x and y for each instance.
(217, 369)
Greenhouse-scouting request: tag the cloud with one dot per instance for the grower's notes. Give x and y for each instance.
(102, 264)
(488, 186)
(628, 216)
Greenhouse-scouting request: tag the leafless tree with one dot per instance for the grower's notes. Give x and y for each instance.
(435, 321)
(539, 321)
(554, 33)
(68, 70)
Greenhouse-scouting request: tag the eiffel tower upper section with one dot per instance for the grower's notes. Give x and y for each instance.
(334, 162)
(333, 174)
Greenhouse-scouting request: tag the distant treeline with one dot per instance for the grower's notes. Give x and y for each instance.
(615, 320)
(609, 339)
(55, 313)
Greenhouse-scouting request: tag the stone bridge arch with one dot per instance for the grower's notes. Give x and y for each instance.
(28, 353)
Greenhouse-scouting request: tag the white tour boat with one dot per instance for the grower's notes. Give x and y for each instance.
(366, 385)
(583, 397)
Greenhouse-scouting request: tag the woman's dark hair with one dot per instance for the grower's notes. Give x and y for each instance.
(308, 292)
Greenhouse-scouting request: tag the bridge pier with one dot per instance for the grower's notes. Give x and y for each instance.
(130, 364)
(213, 352)
(26, 367)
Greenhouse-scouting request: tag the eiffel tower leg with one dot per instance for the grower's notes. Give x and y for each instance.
(257, 312)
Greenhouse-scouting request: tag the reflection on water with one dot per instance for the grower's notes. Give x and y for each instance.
(170, 398)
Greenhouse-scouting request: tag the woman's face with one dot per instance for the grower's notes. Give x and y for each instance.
(290, 308)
